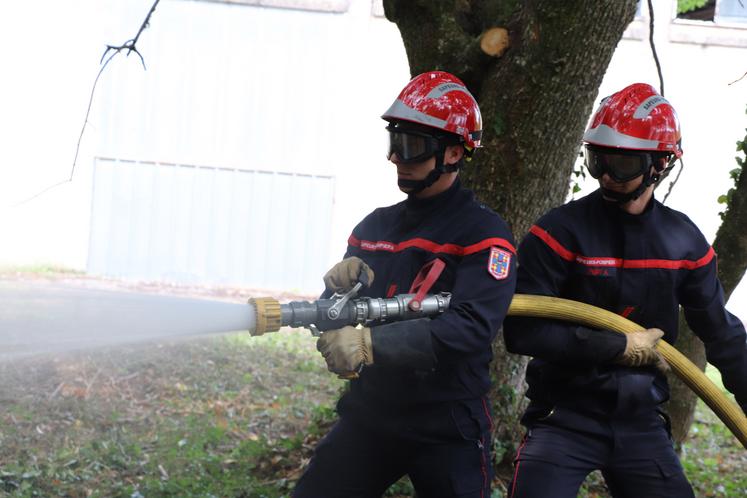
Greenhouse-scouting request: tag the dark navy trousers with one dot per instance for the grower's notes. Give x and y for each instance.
(356, 461)
(635, 455)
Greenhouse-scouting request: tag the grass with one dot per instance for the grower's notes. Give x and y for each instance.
(41, 269)
(226, 416)
(230, 416)
(713, 459)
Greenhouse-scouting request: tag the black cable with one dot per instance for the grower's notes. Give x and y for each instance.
(671, 185)
(653, 47)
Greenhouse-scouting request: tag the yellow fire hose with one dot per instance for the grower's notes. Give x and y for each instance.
(271, 316)
(592, 316)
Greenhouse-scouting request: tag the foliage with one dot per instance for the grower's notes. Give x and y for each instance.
(684, 6)
(578, 176)
(734, 175)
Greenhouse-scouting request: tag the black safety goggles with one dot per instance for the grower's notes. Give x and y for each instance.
(620, 164)
(411, 146)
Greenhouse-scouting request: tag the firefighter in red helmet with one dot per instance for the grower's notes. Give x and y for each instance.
(635, 134)
(418, 405)
(596, 396)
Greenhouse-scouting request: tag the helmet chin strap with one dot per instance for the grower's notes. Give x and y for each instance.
(417, 186)
(648, 180)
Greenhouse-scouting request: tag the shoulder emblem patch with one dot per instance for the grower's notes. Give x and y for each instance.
(499, 263)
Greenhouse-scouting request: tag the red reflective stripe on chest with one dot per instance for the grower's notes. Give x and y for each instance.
(665, 264)
(430, 246)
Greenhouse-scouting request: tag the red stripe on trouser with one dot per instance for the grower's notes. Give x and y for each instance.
(516, 470)
(483, 468)
(487, 414)
(484, 451)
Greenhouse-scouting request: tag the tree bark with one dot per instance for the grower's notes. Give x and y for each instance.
(731, 246)
(535, 100)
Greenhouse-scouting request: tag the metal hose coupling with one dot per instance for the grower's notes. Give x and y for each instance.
(268, 315)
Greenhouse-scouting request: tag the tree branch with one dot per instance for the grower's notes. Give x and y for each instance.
(130, 46)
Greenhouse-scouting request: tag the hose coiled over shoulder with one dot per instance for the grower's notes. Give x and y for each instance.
(592, 316)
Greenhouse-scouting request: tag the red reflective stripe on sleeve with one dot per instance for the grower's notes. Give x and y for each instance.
(430, 246)
(552, 243)
(487, 243)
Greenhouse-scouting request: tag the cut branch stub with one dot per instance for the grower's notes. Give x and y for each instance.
(494, 41)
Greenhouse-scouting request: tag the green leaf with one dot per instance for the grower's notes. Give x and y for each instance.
(688, 5)
(722, 199)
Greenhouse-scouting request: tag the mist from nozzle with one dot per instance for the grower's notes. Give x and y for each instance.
(42, 318)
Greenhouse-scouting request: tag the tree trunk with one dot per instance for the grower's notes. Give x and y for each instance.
(731, 247)
(535, 100)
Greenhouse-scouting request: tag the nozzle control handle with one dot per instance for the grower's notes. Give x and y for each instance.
(334, 312)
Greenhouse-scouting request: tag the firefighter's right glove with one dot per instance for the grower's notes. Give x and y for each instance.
(346, 350)
(344, 275)
(640, 349)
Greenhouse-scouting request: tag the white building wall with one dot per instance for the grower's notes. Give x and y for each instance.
(227, 86)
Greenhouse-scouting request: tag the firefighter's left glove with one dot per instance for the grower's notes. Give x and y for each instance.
(346, 350)
(344, 275)
(640, 349)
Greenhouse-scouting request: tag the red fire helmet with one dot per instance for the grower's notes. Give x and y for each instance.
(439, 100)
(636, 118)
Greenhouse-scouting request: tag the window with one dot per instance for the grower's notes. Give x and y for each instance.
(335, 6)
(718, 11)
(731, 11)
(710, 22)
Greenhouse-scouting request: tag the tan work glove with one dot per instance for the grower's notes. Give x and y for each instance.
(346, 350)
(640, 349)
(344, 275)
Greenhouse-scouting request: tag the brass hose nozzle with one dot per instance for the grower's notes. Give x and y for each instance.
(268, 317)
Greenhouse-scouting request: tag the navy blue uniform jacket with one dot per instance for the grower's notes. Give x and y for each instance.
(426, 361)
(642, 267)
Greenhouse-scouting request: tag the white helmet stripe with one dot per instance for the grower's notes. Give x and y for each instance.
(648, 105)
(606, 136)
(442, 90)
(400, 110)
